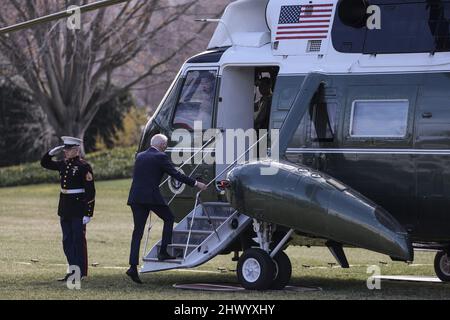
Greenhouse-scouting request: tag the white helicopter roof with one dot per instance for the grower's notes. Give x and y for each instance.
(263, 32)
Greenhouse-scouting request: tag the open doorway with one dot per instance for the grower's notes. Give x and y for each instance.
(245, 99)
(264, 84)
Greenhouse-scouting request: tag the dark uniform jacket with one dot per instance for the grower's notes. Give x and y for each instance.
(262, 108)
(149, 169)
(75, 174)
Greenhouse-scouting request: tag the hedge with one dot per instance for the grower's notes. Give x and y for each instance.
(110, 164)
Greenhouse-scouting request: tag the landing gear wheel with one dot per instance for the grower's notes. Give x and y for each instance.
(255, 269)
(442, 266)
(283, 271)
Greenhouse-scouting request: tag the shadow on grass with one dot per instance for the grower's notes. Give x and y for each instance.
(114, 284)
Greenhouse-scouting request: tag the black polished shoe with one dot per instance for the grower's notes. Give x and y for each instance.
(165, 256)
(64, 278)
(133, 274)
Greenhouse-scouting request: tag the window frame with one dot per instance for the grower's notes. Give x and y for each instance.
(352, 114)
(183, 81)
(360, 35)
(333, 130)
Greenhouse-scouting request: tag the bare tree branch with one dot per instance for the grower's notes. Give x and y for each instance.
(63, 68)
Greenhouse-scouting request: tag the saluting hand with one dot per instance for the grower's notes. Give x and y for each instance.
(55, 150)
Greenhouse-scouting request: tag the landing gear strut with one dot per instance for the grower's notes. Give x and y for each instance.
(261, 269)
(442, 265)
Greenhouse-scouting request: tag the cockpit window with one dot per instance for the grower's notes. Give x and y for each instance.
(196, 100)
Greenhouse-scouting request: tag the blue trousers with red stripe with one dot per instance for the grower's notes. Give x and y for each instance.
(74, 243)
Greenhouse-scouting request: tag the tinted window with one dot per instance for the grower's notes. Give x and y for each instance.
(379, 118)
(298, 139)
(196, 100)
(319, 123)
(323, 122)
(286, 90)
(406, 27)
(164, 112)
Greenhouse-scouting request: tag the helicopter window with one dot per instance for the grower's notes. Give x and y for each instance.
(196, 100)
(422, 26)
(323, 122)
(164, 112)
(379, 118)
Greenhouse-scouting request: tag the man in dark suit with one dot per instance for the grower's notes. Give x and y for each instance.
(149, 168)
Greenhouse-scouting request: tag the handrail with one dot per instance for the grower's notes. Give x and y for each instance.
(186, 161)
(197, 196)
(149, 228)
(235, 161)
(192, 172)
(192, 224)
(170, 201)
(209, 217)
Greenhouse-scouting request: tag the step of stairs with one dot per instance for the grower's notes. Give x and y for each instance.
(218, 209)
(175, 261)
(203, 222)
(207, 219)
(177, 249)
(197, 236)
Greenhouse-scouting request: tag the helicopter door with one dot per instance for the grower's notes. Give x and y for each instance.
(193, 111)
(235, 112)
(322, 128)
(431, 144)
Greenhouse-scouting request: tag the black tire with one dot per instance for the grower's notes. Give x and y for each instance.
(442, 266)
(262, 264)
(283, 271)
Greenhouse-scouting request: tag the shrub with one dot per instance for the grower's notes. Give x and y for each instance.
(109, 164)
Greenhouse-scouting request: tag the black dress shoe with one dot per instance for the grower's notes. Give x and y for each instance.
(133, 274)
(63, 279)
(165, 256)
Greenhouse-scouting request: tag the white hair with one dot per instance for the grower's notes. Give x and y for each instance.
(158, 140)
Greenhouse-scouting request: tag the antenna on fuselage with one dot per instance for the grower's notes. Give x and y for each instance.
(223, 23)
(59, 15)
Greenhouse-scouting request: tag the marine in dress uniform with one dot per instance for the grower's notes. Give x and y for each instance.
(76, 200)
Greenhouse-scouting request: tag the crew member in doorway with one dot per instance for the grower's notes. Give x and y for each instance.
(262, 106)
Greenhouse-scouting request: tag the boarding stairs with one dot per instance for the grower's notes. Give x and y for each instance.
(207, 230)
(204, 233)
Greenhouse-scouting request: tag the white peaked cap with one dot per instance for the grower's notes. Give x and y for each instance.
(72, 141)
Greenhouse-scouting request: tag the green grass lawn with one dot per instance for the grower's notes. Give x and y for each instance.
(31, 258)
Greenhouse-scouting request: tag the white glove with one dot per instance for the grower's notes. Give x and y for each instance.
(86, 220)
(55, 150)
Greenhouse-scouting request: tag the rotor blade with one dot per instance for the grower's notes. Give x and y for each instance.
(59, 15)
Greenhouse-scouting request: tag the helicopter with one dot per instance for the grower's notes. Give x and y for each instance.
(356, 113)
(363, 136)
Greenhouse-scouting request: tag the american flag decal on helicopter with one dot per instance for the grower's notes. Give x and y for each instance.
(304, 21)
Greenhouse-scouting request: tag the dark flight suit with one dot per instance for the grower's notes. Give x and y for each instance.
(149, 168)
(262, 108)
(76, 200)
